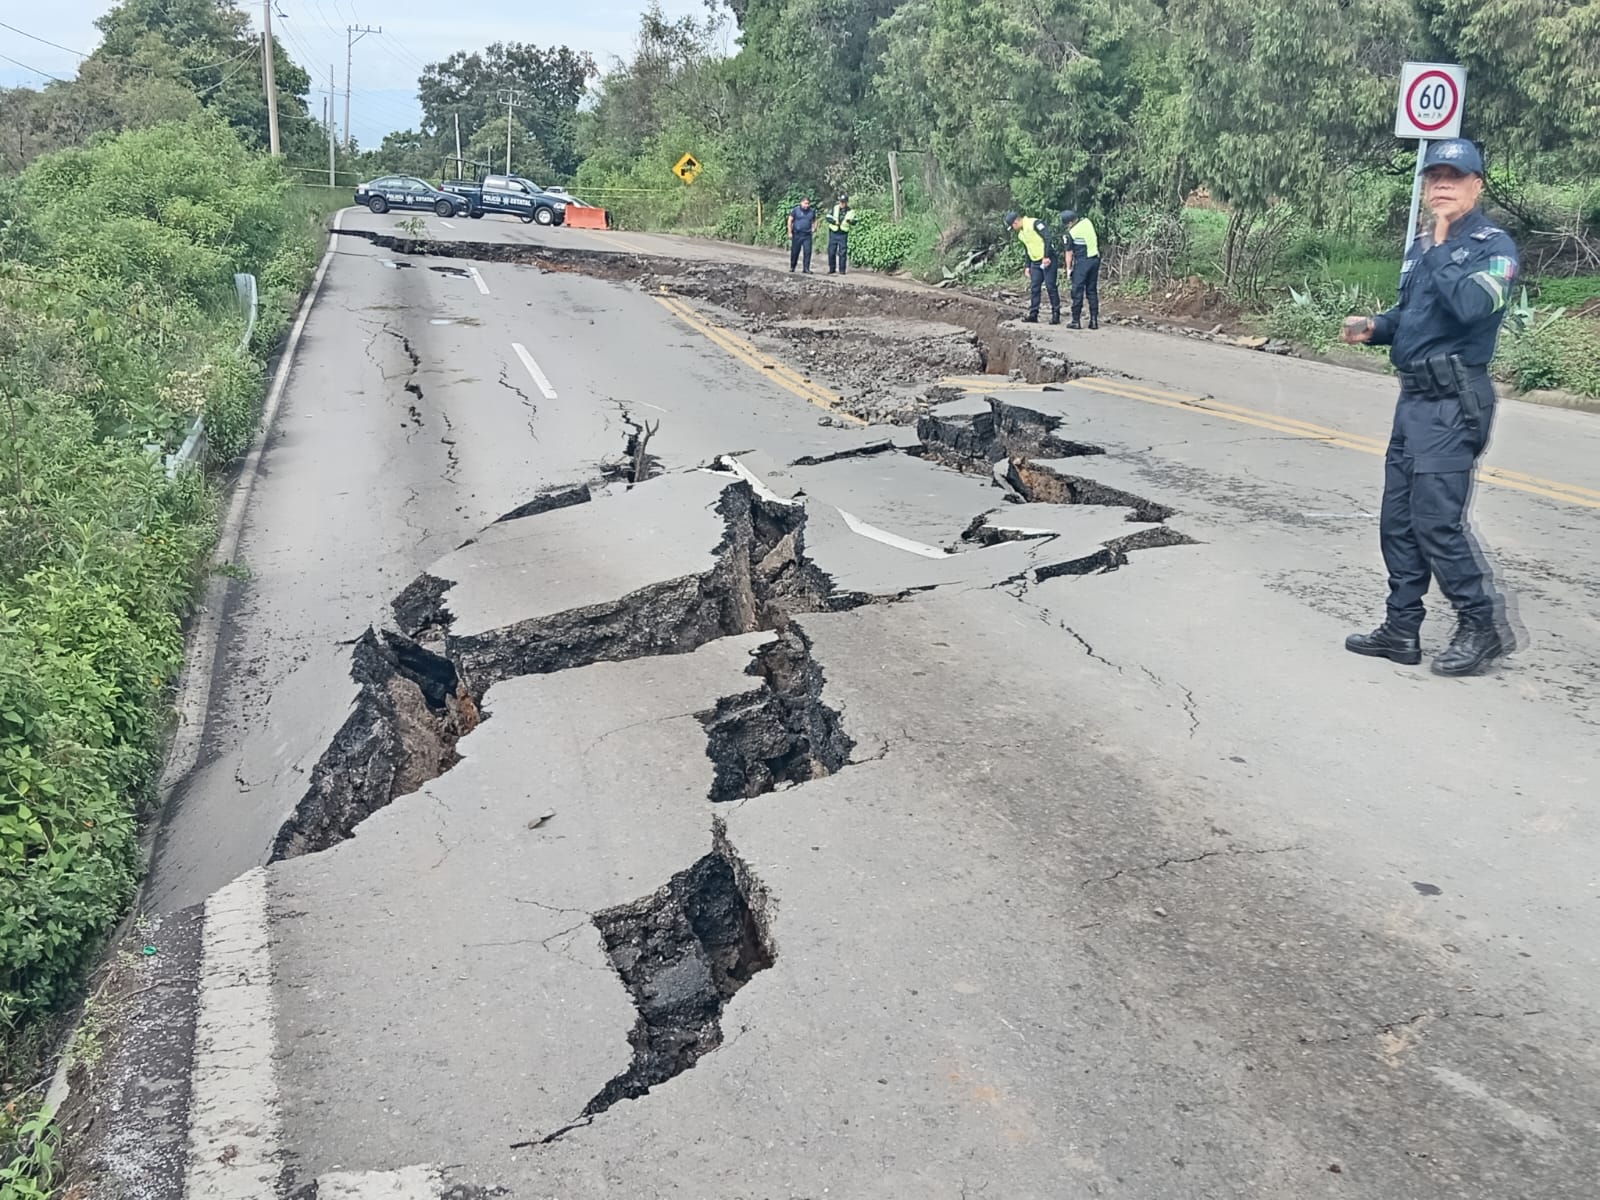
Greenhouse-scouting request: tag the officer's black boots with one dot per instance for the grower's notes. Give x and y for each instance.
(1055, 318)
(1031, 319)
(1074, 324)
(1474, 644)
(1387, 642)
(1094, 322)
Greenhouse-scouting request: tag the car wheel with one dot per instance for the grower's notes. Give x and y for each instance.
(545, 216)
(444, 208)
(378, 204)
(477, 216)
(527, 218)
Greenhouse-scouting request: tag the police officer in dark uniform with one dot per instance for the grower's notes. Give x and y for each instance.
(802, 219)
(1454, 288)
(1081, 245)
(1041, 267)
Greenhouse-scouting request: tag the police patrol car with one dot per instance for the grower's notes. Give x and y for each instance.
(510, 194)
(406, 191)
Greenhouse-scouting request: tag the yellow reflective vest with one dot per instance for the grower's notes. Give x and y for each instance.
(1035, 238)
(839, 218)
(1084, 239)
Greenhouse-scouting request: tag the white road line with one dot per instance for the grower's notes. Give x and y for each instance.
(891, 539)
(533, 369)
(754, 480)
(478, 279)
(194, 687)
(408, 1183)
(234, 1131)
(447, 224)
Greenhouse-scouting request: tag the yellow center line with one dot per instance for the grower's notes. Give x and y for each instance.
(1517, 481)
(769, 368)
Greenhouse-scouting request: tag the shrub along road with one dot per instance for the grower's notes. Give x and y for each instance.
(806, 818)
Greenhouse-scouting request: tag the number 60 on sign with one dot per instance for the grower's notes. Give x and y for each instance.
(1432, 96)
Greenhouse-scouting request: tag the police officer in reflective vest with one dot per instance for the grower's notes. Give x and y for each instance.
(1082, 247)
(1454, 287)
(840, 217)
(1041, 269)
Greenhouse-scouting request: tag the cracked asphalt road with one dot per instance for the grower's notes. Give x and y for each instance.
(1133, 885)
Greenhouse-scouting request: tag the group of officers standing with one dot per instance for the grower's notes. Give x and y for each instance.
(802, 223)
(1080, 246)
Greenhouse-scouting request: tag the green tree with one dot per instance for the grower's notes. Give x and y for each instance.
(528, 158)
(1046, 109)
(1533, 70)
(469, 85)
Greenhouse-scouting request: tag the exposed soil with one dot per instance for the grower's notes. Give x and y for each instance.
(883, 350)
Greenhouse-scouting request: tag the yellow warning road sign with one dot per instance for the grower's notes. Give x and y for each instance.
(688, 168)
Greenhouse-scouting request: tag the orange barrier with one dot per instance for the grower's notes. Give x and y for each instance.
(585, 218)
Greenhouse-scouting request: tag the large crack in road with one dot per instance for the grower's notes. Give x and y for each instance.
(884, 350)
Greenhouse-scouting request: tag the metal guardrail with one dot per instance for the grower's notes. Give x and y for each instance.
(194, 445)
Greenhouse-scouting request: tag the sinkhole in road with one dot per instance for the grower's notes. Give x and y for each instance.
(683, 952)
(423, 687)
(779, 733)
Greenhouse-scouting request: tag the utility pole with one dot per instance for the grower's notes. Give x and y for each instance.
(327, 116)
(268, 79)
(352, 35)
(458, 141)
(511, 98)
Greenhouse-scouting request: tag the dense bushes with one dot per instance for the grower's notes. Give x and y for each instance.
(118, 324)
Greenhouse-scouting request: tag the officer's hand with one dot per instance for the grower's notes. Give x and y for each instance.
(1357, 330)
(1045, 263)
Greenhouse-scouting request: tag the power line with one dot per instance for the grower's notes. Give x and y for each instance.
(46, 41)
(250, 49)
(35, 70)
(230, 75)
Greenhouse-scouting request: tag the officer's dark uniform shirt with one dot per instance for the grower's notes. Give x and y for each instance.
(1452, 297)
(1453, 300)
(804, 219)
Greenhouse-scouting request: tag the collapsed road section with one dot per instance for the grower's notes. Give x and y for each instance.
(884, 350)
(468, 623)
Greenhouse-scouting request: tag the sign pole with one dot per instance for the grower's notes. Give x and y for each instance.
(1416, 196)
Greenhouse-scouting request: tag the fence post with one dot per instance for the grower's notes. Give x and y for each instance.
(894, 184)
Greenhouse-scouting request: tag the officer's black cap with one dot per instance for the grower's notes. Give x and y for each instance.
(1068, 214)
(1011, 218)
(1454, 152)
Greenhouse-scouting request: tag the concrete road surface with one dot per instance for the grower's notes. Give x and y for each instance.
(782, 809)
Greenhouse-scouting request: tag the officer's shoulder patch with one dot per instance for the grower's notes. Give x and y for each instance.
(1487, 232)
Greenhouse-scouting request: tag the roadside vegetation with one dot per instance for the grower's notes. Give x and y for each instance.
(119, 325)
(1236, 156)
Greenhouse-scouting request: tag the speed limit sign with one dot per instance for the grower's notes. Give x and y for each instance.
(1432, 96)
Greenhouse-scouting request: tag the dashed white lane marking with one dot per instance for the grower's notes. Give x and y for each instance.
(1517, 1118)
(891, 539)
(447, 224)
(408, 1183)
(234, 1132)
(754, 480)
(478, 279)
(533, 369)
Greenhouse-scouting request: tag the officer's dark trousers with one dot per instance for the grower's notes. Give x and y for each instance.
(800, 247)
(838, 250)
(1427, 481)
(1043, 277)
(1086, 282)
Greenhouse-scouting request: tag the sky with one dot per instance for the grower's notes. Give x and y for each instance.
(386, 65)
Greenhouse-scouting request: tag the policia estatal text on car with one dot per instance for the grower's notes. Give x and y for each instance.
(1454, 286)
